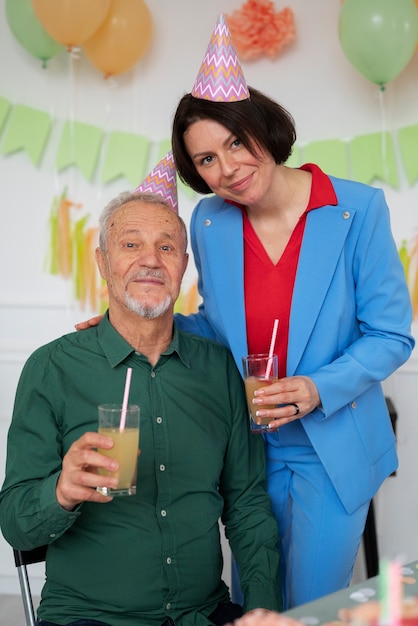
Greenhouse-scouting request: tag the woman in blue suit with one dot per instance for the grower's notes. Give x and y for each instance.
(317, 253)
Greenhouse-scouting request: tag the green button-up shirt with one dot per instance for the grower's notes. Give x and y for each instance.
(139, 559)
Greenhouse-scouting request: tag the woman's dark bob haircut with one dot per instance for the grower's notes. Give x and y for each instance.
(257, 121)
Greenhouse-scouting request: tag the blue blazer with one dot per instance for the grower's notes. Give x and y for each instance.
(349, 324)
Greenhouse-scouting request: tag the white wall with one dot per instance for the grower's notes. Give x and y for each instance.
(312, 78)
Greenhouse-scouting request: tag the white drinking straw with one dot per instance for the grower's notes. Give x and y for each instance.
(125, 399)
(271, 350)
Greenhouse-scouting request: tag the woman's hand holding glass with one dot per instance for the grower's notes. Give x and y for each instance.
(296, 396)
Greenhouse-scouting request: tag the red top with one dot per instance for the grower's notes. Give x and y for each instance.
(268, 287)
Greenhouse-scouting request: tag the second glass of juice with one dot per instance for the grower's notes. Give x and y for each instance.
(260, 370)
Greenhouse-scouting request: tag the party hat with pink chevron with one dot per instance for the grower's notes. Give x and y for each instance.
(162, 180)
(220, 77)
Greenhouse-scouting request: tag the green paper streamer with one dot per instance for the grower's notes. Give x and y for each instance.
(372, 156)
(80, 145)
(4, 110)
(28, 130)
(126, 155)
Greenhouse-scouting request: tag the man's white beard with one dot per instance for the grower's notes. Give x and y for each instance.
(148, 312)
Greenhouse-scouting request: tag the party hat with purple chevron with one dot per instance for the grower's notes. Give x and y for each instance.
(162, 180)
(220, 77)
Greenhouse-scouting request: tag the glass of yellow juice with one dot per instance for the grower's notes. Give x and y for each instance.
(260, 370)
(125, 449)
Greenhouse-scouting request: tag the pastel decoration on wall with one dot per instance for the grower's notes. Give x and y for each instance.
(330, 155)
(125, 155)
(29, 32)
(258, 30)
(378, 37)
(80, 145)
(408, 253)
(408, 143)
(122, 39)
(71, 22)
(4, 111)
(188, 301)
(28, 129)
(71, 256)
(373, 156)
(60, 252)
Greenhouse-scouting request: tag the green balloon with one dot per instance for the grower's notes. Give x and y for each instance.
(378, 37)
(29, 32)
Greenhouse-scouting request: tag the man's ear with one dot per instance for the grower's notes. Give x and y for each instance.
(186, 263)
(101, 263)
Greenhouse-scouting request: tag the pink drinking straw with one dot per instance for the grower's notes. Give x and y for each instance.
(271, 350)
(125, 399)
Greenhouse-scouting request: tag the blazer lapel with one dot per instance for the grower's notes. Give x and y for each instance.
(324, 237)
(223, 236)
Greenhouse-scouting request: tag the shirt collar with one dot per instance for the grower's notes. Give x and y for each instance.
(117, 349)
(322, 189)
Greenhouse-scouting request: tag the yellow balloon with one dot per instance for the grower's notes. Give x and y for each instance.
(122, 39)
(71, 22)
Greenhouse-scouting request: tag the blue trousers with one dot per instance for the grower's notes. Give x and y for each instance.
(319, 540)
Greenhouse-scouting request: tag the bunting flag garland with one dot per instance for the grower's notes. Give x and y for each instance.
(364, 158)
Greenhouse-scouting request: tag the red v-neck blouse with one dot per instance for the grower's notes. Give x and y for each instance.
(268, 287)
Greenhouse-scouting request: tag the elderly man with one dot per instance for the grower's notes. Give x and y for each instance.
(153, 558)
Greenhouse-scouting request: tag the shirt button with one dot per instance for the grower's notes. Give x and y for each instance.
(168, 561)
(162, 468)
(52, 535)
(159, 420)
(346, 215)
(207, 222)
(163, 513)
(354, 405)
(168, 606)
(152, 374)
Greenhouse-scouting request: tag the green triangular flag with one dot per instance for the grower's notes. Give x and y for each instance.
(330, 155)
(80, 145)
(372, 156)
(126, 155)
(28, 130)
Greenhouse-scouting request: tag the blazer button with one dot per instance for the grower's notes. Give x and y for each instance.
(346, 215)
(207, 222)
(354, 405)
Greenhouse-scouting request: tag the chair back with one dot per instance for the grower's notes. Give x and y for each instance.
(23, 558)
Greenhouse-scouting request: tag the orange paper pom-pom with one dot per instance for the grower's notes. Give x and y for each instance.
(257, 30)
